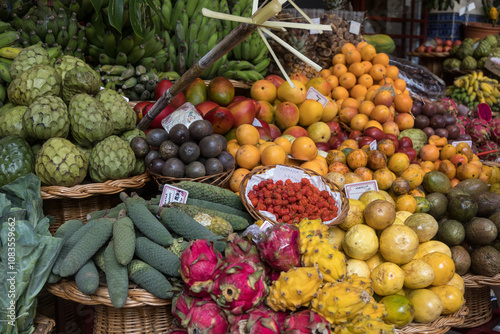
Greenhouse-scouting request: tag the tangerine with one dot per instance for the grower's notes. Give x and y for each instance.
(339, 58)
(403, 103)
(392, 72)
(338, 70)
(365, 80)
(247, 156)
(340, 93)
(236, 178)
(406, 203)
(366, 108)
(368, 52)
(360, 45)
(304, 148)
(284, 143)
(353, 56)
(273, 155)
(324, 73)
(381, 59)
(358, 91)
(429, 152)
(332, 80)
(368, 65)
(247, 134)
(358, 69)
(380, 113)
(378, 72)
(350, 102)
(347, 80)
(400, 84)
(347, 47)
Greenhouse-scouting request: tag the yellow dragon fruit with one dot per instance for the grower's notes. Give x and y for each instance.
(294, 289)
(339, 302)
(360, 282)
(365, 325)
(330, 261)
(308, 227)
(374, 310)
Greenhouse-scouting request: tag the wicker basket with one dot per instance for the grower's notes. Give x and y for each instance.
(220, 180)
(142, 312)
(309, 173)
(479, 281)
(478, 300)
(43, 324)
(439, 326)
(76, 202)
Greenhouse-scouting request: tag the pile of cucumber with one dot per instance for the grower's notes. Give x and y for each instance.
(142, 242)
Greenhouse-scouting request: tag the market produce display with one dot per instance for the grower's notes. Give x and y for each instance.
(472, 54)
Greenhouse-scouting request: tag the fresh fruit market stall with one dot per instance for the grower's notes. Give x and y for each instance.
(297, 183)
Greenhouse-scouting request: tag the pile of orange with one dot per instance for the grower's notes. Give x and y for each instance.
(250, 151)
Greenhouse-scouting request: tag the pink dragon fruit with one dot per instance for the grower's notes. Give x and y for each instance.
(495, 130)
(182, 303)
(237, 323)
(260, 322)
(278, 316)
(489, 146)
(199, 265)
(479, 131)
(463, 120)
(462, 128)
(239, 287)
(205, 318)
(241, 248)
(483, 111)
(280, 247)
(306, 322)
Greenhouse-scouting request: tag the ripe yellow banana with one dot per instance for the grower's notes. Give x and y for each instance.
(10, 52)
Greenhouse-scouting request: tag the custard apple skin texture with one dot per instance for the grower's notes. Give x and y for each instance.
(28, 57)
(111, 159)
(46, 117)
(121, 113)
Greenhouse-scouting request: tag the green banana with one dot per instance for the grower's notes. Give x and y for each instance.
(177, 11)
(201, 4)
(166, 12)
(7, 38)
(95, 51)
(62, 37)
(191, 7)
(3, 93)
(140, 70)
(82, 43)
(110, 44)
(131, 82)
(139, 88)
(73, 25)
(105, 59)
(125, 45)
(4, 26)
(147, 61)
(184, 18)
(128, 73)
(238, 65)
(34, 38)
(92, 36)
(264, 64)
(72, 44)
(192, 32)
(136, 54)
(4, 72)
(116, 70)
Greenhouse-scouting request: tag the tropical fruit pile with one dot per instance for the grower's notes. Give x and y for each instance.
(474, 88)
(472, 54)
(130, 242)
(73, 127)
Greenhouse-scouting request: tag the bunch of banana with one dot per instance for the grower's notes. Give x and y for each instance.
(7, 37)
(137, 83)
(52, 27)
(244, 70)
(474, 88)
(110, 49)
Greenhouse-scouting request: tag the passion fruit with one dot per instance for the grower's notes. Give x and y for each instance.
(400, 310)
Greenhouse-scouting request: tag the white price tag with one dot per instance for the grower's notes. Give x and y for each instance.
(461, 11)
(256, 122)
(315, 21)
(265, 225)
(373, 145)
(355, 28)
(313, 94)
(471, 6)
(355, 190)
(283, 173)
(322, 153)
(173, 194)
(455, 143)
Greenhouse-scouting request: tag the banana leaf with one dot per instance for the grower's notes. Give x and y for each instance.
(27, 253)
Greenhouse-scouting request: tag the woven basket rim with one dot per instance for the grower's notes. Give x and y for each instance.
(437, 326)
(220, 178)
(478, 281)
(43, 324)
(91, 189)
(262, 169)
(136, 296)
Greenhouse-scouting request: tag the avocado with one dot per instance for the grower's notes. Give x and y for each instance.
(168, 149)
(480, 231)
(140, 146)
(461, 258)
(199, 129)
(195, 169)
(179, 134)
(473, 186)
(189, 152)
(173, 167)
(438, 203)
(488, 202)
(495, 218)
(485, 261)
(462, 208)
(436, 182)
(455, 191)
(213, 166)
(156, 136)
(210, 147)
(451, 232)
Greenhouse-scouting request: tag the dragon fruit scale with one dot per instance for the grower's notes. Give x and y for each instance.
(463, 120)
(280, 247)
(306, 322)
(479, 131)
(237, 323)
(495, 130)
(239, 287)
(260, 322)
(205, 318)
(241, 248)
(278, 316)
(199, 265)
(182, 303)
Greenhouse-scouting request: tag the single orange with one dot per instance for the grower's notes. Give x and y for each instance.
(368, 65)
(338, 70)
(247, 134)
(378, 71)
(368, 52)
(339, 58)
(381, 58)
(360, 45)
(284, 143)
(358, 122)
(392, 72)
(350, 102)
(339, 93)
(358, 69)
(366, 107)
(404, 121)
(332, 80)
(358, 91)
(347, 47)
(273, 155)
(247, 156)
(447, 152)
(365, 80)
(236, 178)
(403, 103)
(380, 113)
(398, 162)
(347, 80)
(232, 147)
(400, 84)
(353, 56)
(324, 73)
(304, 148)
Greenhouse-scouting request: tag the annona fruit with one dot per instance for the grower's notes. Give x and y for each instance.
(60, 163)
(139, 167)
(16, 159)
(111, 159)
(28, 57)
(11, 122)
(66, 63)
(46, 117)
(90, 123)
(121, 113)
(131, 134)
(80, 79)
(39, 80)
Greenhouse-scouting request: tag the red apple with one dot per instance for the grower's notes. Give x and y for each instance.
(439, 41)
(355, 133)
(457, 42)
(394, 140)
(421, 49)
(221, 118)
(405, 142)
(243, 112)
(162, 87)
(264, 133)
(448, 42)
(275, 131)
(323, 146)
(438, 48)
(204, 107)
(409, 151)
(334, 127)
(365, 140)
(275, 79)
(156, 124)
(429, 49)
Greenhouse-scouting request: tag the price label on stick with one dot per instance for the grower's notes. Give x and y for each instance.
(283, 173)
(373, 145)
(355, 190)
(315, 20)
(355, 28)
(313, 94)
(468, 142)
(173, 194)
